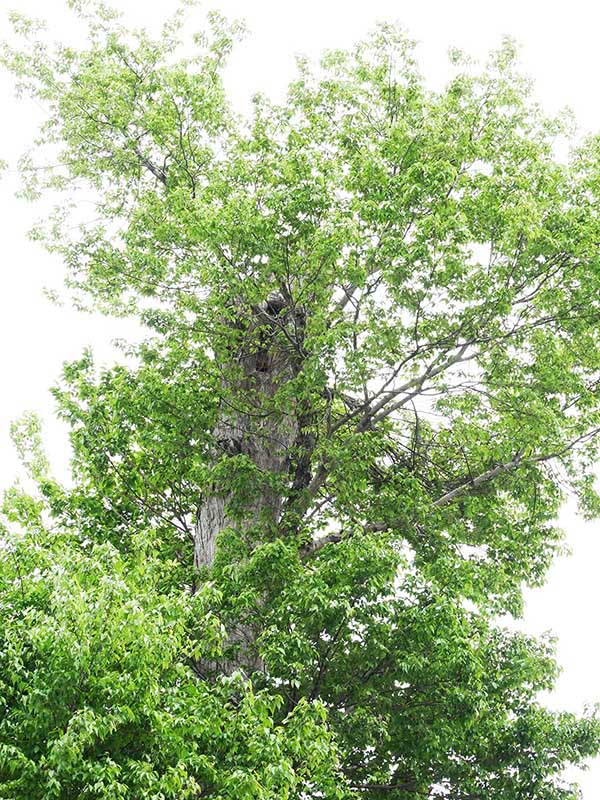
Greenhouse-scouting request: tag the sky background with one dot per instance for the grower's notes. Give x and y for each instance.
(559, 50)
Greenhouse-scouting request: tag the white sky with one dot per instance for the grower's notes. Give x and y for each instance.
(559, 49)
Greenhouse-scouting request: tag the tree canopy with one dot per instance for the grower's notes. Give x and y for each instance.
(370, 375)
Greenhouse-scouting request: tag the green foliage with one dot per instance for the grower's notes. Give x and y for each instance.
(373, 337)
(98, 697)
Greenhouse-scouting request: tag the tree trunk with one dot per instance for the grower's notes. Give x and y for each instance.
(267, 436)
(265, 362)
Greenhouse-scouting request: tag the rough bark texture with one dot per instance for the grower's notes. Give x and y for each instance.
(250, 425)
(266, 361)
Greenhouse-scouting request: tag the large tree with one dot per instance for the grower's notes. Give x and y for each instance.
(370, 374)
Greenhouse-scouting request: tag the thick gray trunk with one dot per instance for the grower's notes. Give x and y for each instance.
(259, 432)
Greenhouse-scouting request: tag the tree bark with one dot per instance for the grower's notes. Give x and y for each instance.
(266, 361)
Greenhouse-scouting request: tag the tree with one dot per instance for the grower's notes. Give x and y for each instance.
(371, 373)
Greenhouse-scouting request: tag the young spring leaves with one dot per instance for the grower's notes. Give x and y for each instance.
(371, 374)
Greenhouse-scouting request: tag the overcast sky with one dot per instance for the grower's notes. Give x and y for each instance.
(559, 50)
